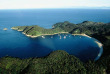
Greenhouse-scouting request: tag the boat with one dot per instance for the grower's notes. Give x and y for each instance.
(58, 34)
(51, 36)
(43, 37)
(60, 37)
(64, 37)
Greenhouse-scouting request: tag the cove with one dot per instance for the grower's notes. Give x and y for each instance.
(20, 46)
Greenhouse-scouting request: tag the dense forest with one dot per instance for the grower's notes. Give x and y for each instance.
(57, 62)
(86, 27)
(36, 30)
(60, 61)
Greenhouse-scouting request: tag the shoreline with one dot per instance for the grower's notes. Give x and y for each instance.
(48, 34)
(99, 44)
(53, 34)
(42, 34)
(83, 35)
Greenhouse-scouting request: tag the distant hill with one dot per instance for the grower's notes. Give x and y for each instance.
(86, 27)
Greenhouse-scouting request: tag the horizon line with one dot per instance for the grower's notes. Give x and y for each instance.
(61, 8)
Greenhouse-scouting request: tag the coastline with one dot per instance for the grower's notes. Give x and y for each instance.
(41, 34)
(48, 34)
(99, 44)
(83, 35)
(53, 34)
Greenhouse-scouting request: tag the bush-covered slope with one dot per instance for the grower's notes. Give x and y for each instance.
(86, 27)
(36, 30)
(56, 63)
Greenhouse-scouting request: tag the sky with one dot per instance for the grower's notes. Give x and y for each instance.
(28, 4)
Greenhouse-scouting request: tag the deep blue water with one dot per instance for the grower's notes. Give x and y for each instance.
(15, 44)
(18, 45)
(47, 17)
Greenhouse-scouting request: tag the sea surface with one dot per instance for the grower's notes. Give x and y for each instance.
(18, 45)
(47, 17)
(15, 44)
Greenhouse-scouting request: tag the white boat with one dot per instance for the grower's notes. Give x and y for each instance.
(99, 54)
(64, 37)
(51, 36)
(60, 37)
(43, 37)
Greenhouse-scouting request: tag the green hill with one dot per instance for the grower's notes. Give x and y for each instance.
(86, 27)
(37, 31)
(57, 62)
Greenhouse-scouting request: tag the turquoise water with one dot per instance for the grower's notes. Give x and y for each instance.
(15, 44)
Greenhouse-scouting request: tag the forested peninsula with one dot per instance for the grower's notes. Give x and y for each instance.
(59, 62)
(86, 27)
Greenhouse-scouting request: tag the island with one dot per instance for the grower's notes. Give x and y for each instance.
(59, 62)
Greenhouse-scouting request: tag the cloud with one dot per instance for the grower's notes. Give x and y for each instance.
(21, 4)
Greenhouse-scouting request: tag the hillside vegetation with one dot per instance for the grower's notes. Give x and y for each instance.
(57, 62)
(36, 30)
(86, 27)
